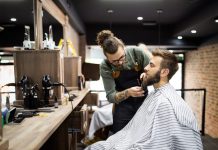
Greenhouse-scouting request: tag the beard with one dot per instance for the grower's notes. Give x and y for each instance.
(152, 79)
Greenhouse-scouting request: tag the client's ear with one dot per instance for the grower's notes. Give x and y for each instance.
(164, 72)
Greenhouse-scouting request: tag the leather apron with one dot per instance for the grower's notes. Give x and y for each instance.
(125, 110)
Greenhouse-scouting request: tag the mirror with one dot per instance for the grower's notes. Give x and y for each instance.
(12, 32)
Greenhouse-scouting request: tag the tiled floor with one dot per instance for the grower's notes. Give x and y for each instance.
(209, 143)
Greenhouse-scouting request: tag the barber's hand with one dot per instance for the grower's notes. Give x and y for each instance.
(136, 91)
(142, 76)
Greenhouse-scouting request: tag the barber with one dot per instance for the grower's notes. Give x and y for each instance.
(120, 72)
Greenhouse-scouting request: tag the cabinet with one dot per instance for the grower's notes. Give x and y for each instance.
(35, 64)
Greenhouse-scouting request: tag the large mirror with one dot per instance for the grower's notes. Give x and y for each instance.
(14, 15)
(21, 13)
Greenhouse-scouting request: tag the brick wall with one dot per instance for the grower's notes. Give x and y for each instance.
(201, 71)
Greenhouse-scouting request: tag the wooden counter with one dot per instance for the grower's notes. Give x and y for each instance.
(32, 133)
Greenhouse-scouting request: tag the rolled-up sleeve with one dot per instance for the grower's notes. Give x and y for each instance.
(108, 81)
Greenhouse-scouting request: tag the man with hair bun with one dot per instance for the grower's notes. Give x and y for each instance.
(120, 72)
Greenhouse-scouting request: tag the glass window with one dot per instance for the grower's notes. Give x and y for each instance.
(7, 76)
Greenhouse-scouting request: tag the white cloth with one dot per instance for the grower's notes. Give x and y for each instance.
(102, 117)
(163, 122)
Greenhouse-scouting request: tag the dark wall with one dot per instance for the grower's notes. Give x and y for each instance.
(130, 34)
(133, 34)
(13, 36)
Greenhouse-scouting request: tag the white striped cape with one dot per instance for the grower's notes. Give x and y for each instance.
(163, 122)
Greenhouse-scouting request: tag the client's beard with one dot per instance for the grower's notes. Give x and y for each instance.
(150, 81)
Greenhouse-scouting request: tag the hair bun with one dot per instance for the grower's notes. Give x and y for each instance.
(104, 34)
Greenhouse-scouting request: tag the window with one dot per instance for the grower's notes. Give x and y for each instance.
(7, 76)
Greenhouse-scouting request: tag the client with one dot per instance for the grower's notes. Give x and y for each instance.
(164, 120)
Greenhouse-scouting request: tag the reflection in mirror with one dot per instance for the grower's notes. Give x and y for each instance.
(13, 31)
(52, 29)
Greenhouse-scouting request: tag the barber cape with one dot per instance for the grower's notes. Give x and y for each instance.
(163, 122)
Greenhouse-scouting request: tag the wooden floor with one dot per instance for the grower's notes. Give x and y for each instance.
(209, 143)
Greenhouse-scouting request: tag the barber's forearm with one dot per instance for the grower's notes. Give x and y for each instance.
(122, 95)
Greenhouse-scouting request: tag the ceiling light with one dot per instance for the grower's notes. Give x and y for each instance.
(110, 11)
(159, 11)
(193, 31)
(216, 20)
(179, 37)
(1, 28)
(139, 18)
(13, 19)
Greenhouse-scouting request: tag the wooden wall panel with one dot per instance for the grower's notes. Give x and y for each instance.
(72, 69)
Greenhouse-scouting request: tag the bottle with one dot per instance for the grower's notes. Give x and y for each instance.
(56, 102)
(8, 102)
(79, 83)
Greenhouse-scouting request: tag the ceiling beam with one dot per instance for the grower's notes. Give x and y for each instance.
(56, 12)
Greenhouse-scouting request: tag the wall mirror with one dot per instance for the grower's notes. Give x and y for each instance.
(12, 31)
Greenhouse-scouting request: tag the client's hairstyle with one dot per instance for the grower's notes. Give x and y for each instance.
(169, 61)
